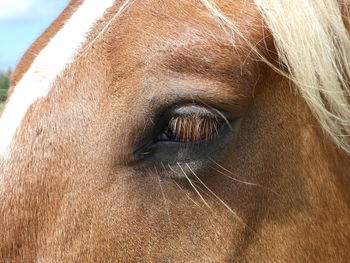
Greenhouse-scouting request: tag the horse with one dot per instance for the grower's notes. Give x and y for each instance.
(180, 131)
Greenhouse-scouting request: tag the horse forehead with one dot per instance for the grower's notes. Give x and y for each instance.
(52, 60)
(66, 45)
(181, 31)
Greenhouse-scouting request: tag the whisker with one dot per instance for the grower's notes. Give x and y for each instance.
(180, 186)
(187, 195)
(198, 185)
(220, 166)
(232, 178)
(210, 211)
(221, 201)
(189, 180)
(164, 199)
(246, 183)
(240, 181)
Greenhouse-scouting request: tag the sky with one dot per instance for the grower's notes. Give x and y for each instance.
(21, 22)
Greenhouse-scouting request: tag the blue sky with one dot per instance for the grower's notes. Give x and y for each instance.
(21, 22)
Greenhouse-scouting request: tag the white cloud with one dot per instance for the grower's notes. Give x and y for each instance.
(12, 10)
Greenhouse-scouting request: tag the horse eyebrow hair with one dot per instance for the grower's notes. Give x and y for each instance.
(225, 67)
(235, 100)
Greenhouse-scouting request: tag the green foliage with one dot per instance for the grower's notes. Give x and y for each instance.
(4, 86)
(3, 93)
(4, 82)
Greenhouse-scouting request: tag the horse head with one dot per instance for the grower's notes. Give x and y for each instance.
(180, 131)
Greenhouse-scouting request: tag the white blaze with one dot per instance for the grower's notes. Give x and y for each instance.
(48, 65)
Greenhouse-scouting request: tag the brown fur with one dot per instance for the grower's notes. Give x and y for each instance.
(72, 191)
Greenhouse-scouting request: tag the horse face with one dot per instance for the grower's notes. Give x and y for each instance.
(167, 140)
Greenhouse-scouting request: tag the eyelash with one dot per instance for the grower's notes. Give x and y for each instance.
(191, 129)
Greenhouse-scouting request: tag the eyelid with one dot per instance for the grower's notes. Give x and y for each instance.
(192, 108)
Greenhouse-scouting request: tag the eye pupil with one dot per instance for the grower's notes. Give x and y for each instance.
(192, 128)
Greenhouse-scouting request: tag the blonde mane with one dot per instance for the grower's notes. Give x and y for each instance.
(314, 45)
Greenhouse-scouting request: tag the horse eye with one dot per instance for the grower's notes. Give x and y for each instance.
(204, 127)
(191, 129)
(192, 124)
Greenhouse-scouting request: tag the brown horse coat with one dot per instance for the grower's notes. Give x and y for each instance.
(270, 188)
